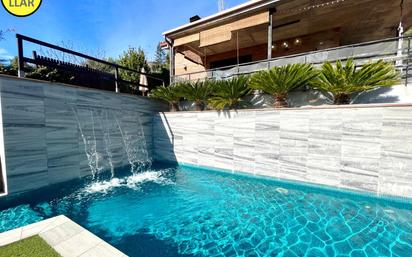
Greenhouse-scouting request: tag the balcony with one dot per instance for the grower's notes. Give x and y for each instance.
(396, 50)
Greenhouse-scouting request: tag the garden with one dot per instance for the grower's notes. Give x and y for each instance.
(339, 82)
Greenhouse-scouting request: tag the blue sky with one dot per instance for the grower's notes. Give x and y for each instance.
(104, 27)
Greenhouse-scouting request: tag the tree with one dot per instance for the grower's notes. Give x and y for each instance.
(3, 33)
(133, 58)
(11, 68)
(160, 67)
(100, 66)
(171, 95)
(344, 80)
(280, 81)
(161, 59)
(230, 94)
(198, 92)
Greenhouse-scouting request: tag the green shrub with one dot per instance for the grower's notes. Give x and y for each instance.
(342, 81)
(280, 81)
(198, 92)
(230, 94)
(170, 94)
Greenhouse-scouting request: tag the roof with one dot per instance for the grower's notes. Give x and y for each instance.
(249, 6)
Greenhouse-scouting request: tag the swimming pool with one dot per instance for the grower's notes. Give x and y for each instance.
(186, 211)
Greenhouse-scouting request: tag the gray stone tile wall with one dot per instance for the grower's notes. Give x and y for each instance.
(367, 149)
(42, 142)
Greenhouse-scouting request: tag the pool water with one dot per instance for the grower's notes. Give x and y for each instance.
(186, 211)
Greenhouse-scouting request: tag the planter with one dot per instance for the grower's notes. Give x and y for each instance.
(174, 106)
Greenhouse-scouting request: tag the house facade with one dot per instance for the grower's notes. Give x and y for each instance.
(262, 33)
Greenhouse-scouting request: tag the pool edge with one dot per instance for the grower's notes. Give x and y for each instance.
(302, 184)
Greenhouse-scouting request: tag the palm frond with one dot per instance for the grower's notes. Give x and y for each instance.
(279, 81)
(230, 93)
(347, 79)
(198, 91)
(169, 94)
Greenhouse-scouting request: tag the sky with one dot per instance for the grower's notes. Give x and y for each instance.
(104, 28)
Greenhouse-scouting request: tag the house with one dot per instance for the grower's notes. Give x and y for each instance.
(262, 33)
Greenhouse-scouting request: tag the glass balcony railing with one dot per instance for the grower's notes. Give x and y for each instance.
(396, 50)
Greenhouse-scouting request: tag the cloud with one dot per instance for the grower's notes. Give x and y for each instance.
(4, 55)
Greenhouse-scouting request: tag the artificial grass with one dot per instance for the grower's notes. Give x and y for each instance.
(29, 247)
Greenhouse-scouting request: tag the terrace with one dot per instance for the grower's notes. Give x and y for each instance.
(263, 34)
(386, 49)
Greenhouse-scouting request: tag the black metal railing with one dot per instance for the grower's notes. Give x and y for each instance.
(80, 74)
(387, 49)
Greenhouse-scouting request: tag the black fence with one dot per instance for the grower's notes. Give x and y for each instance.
(81, 74)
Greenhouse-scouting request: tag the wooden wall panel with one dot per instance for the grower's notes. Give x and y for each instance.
(184, 66)
(224, 33)
(187, 39)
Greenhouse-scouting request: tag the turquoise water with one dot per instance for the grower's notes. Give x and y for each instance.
(191, 212)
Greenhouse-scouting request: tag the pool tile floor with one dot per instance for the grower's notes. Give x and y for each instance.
(65, 237)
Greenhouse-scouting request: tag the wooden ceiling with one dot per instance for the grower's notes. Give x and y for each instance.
(358, 20)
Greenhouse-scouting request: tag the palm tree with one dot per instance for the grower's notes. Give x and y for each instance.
(230, 93)
(344, 80)
(170, 94)
(279, 81)
(198, 92)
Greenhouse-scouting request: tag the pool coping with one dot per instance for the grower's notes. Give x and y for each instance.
(65, 236)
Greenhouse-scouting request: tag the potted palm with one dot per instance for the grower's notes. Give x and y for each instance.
(230, 94)
(343, 81)
(170, 94)
(197, 92)
(280, 81)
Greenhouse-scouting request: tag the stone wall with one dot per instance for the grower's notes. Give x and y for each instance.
(43, 142)
(360, 147)
(48, 130)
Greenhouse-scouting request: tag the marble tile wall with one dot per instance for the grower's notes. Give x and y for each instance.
(366, 149)
(42, 141)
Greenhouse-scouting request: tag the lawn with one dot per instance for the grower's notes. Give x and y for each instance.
(30, 247)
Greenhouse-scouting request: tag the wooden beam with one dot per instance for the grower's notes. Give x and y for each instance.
(198, 52)
(193, 57)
